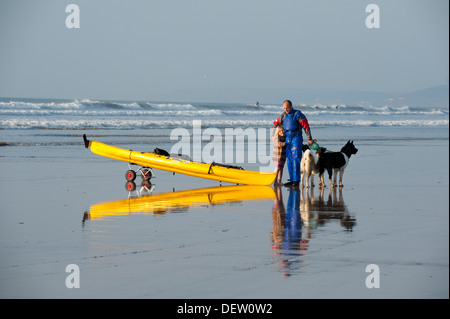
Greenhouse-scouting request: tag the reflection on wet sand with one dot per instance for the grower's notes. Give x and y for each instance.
(178, 201)
(316, 211)
(287, 241)
(293, 224)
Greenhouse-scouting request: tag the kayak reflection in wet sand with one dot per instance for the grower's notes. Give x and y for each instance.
(179, 200)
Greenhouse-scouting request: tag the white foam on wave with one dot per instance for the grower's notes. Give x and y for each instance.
(22, 105)
(362, 123)
(132, 123)
(173, 106)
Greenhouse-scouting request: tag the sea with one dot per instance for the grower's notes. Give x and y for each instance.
(48, 114)
(62, 122)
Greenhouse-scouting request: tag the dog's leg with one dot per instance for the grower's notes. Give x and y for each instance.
(308, 177)
(302, 177)
(321, 181)
(335, 171)
(303, 170)
(308, 159)
(330, 175)
(341, 173)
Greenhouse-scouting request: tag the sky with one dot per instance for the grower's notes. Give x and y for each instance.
(138, 49)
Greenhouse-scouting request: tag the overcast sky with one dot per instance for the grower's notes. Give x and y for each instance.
(136, 49)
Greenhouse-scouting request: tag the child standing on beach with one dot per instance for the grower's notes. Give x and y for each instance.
(279, 150)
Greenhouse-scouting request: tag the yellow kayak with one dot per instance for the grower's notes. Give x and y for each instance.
(214, 171)
(181, 200)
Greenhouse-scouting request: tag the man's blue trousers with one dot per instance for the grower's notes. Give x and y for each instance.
(294, 141)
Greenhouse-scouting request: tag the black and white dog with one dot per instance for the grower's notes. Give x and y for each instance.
(335, 162)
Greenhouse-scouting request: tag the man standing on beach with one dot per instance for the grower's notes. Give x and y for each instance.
(293, 121)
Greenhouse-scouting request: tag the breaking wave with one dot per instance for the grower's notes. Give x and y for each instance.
(94, 114)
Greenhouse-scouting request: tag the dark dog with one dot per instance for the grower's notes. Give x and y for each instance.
(335, 162)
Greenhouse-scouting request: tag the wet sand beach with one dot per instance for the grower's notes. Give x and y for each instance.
(312, 243)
